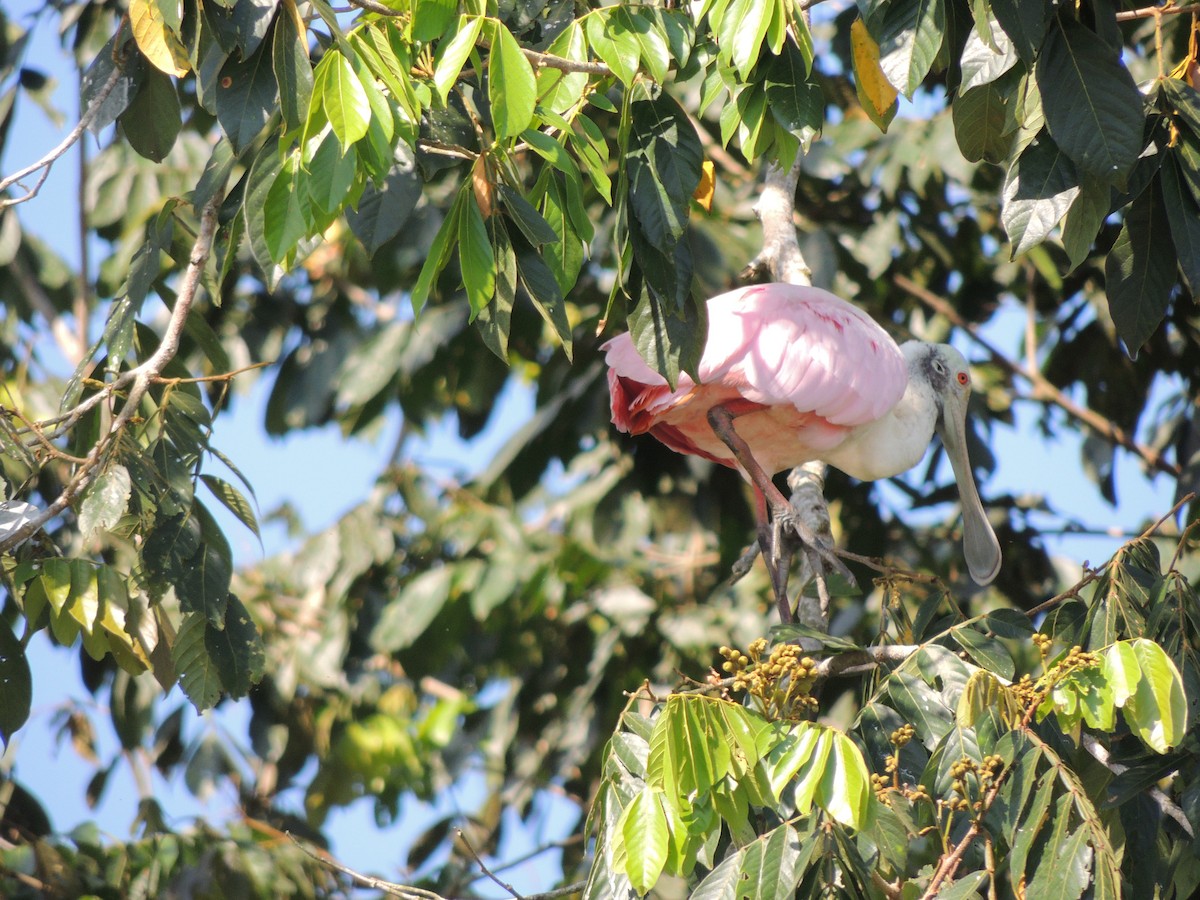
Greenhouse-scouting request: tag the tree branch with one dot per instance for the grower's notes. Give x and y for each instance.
(139, 378)
(46, 162)
(780, 257)
(1043, 390)
(1100, 753)
(1150, 12)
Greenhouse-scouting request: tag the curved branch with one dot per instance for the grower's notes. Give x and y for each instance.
(139, 379)
(47, 161)
(1150, 12)
(780, 257)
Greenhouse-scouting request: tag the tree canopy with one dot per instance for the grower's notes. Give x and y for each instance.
(413, 205)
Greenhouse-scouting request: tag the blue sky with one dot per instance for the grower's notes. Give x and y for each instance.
(282, 471)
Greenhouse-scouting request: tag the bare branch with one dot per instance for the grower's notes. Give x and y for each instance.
(780, 257)
(380, 884)
(853, 661)
(503, 885)
(46, 162)
(1150, 12)
(546, 61)
(138, 379)
(1043, 390)
(1100, 753)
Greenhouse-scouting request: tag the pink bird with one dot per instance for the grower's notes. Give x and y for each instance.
(806, 376)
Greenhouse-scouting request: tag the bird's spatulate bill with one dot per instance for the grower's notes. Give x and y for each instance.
(980, 546)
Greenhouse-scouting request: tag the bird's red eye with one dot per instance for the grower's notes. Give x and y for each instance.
(964, 379)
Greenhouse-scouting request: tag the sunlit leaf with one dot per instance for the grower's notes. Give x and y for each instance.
(644, 827)
(158, 40)
(512, 88)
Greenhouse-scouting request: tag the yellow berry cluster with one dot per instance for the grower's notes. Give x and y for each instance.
(964, 771)
(884, 784)
(778, 682)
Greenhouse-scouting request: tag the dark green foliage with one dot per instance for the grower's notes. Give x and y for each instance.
(413, 213)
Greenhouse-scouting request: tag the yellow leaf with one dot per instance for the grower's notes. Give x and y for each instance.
(155, 39)
(707, 186)
(873, 86)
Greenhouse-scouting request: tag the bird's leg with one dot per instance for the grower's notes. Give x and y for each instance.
(720, 419)
(775, 553)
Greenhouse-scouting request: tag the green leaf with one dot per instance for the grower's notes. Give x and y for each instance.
(284, 216)
(844, 789)
(16, 684)
(1157, 710)
(409, 614)
(344, 99)
(910, 36)
(560, 91)
(512, 87)
(546, 295)
(740, 32)
(531, 222)
(1140, 270)
(247, 95)
(495, 319)
(204, 587)
(153, 119)
(453, 54)
(330, 175)
(385, 208)
(987, 652)
(1183, 216)
(643, 825)
(263, 173)
(477, 261)
(652, 43)
(664, 160)
(1029, 830)
(984, 121)
(431, 18)
(439, 254)
(236, 649)
(198, 673)
(795, 100)
(233, 500)
(293, 71)
(1094, 109)
(105, 501)
(1024, 21)
(1064, 869)
(985, 59)
(614, 43)
(1039, 189)
(1084, 219)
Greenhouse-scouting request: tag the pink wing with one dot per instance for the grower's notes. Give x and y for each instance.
(774, 345)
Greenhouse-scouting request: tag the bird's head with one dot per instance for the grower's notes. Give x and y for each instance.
(949, 377)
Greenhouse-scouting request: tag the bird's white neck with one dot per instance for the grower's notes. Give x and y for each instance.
(895, 442)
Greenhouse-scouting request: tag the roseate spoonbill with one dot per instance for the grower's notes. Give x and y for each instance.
(806, 376)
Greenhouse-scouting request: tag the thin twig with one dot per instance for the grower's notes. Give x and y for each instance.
(47, 162)
(1149, 12)
(504, 885)
(139, 378)
(380, 884)
(1043, 389)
